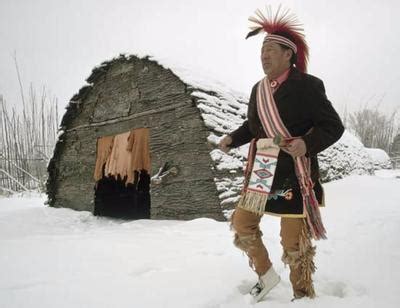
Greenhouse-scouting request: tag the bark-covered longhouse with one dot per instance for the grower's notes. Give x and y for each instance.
(184, 119)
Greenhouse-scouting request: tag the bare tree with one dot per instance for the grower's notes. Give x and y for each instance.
(27, 140)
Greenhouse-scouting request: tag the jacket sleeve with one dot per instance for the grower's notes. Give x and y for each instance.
(243, 134)
(327, 125)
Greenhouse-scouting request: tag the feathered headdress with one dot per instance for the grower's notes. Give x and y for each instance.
(283, 28)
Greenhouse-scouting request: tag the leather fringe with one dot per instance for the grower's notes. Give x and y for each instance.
(303, 258)
(253, 202)
(307, 253)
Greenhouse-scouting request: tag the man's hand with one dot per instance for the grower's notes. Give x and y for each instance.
(224, 144)
(295, 148)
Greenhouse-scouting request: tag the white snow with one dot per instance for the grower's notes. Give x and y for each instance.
(348, 156)
(63, 258)
(378, 154)
(225, 161)
(380, 158)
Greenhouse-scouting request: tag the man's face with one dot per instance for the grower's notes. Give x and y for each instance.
(275, 59)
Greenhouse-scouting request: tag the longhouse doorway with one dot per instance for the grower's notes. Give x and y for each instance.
(122, 175)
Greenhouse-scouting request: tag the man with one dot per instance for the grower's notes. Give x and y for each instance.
(289, 121)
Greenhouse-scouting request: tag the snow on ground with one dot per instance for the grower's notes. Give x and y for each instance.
(62, 258)
(379, 158)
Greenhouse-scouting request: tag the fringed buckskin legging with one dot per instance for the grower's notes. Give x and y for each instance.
(298, 252)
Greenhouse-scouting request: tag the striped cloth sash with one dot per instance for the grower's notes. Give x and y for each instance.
(274, 128)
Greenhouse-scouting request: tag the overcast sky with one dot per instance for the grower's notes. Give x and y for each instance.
(354, 45)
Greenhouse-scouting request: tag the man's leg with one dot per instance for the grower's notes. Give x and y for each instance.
(298, 252)
(248, 238)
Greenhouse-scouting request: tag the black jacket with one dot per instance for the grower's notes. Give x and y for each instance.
(302, 105)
